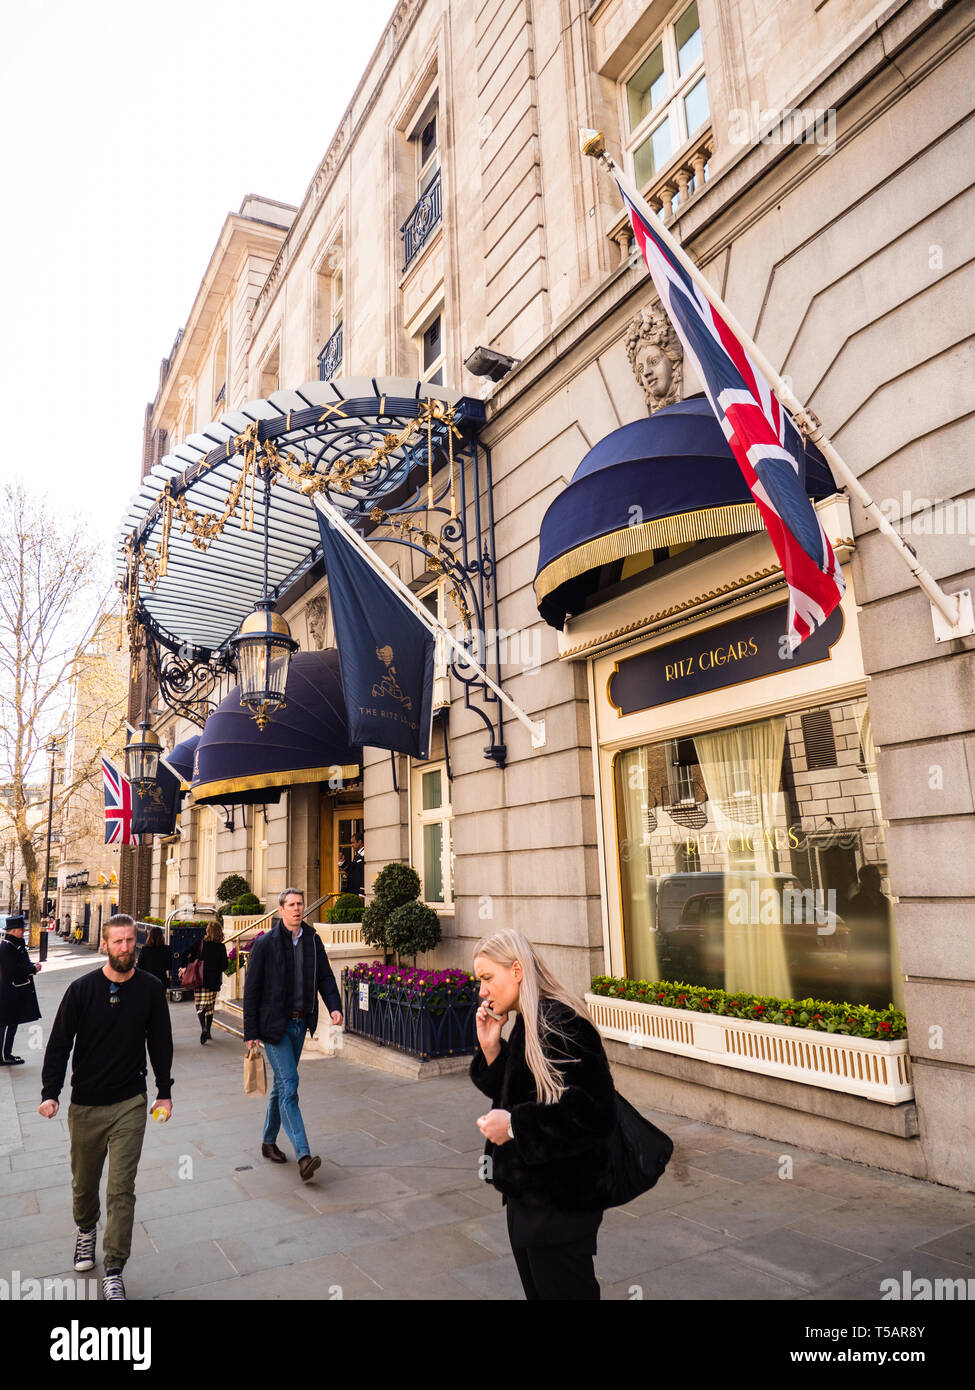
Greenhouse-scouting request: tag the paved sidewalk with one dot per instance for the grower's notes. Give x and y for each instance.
(397, 1210)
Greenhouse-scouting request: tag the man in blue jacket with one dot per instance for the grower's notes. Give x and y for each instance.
(286, 972)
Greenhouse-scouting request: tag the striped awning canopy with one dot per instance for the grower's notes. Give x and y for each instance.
(197, 521)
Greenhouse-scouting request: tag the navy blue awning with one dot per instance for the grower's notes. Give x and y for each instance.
(180, 760)
(668, 480)
(307, 741)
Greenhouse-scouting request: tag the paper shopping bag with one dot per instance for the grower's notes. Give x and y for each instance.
(255, 1077)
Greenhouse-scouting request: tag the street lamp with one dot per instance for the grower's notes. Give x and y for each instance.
(52, 749)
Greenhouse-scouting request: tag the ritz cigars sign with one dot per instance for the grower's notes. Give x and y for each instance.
(741, 650)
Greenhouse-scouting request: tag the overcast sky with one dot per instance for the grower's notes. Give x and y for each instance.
(130, 130)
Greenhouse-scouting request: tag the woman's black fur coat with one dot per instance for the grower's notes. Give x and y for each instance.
(559, 1155)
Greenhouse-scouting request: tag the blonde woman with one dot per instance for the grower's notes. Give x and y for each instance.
(213, 953)
(553, 1112)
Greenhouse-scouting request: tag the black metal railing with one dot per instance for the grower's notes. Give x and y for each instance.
(422, 222)
(330, 357)
(395, 1018)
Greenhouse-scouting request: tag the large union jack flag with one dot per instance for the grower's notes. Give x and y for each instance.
(118, 807)
(762, 437)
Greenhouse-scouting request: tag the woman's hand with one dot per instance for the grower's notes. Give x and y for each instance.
(489, 1033)
(494, 1126)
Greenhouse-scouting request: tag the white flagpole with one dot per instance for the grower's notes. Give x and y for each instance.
(433, 625)
(954, 610)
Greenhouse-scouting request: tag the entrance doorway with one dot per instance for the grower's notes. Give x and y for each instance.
(337, 824)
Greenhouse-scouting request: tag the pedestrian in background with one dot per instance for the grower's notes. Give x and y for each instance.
(156, 958)
(213, 953)
(554, 1109)
(108, 1017)
(18, 997)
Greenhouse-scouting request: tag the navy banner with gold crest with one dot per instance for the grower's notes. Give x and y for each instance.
(386, 655)
(154, 810)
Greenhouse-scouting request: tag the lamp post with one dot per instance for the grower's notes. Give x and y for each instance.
(52, 749)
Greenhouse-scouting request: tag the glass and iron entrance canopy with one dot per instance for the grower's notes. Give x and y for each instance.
(191, 543)
(665, 481)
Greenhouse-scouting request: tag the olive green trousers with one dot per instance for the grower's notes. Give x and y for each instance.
(118, 1131)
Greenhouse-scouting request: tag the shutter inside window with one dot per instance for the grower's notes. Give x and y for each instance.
(817, 736)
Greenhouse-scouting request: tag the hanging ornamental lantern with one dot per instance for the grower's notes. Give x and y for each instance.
(142, 759)
(262, 650)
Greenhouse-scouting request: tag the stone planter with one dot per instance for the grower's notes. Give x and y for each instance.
(879, 1071)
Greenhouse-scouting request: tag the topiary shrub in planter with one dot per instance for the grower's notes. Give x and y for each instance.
(395, 920)
(231, 888)
(245, 906)
(348, 907)
(412, 928)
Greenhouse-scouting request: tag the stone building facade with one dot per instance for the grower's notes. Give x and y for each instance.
(814, 159)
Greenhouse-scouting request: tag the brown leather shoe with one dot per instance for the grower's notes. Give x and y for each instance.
(272, 1152)
(308, 1166)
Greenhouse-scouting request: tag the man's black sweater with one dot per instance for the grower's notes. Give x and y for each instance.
(109, 1040)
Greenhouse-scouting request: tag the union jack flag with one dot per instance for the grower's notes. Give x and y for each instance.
(762, 437)
(118, 807)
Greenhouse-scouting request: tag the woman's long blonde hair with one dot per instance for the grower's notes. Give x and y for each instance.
(537, 983)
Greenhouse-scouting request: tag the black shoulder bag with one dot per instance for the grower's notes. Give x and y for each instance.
(638, 1154)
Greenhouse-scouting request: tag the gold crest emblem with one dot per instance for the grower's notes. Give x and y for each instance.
(389, 685)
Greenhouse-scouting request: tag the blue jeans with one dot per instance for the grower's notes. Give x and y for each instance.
(282, 1103)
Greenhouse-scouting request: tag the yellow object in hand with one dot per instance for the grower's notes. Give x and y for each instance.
(160, 1114)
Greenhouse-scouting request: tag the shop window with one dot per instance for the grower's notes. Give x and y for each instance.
(433, 855)
(665, 98)
(783, 889)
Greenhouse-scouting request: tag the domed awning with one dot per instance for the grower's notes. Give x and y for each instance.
(307, 741)
(180, 760)
(664, 481)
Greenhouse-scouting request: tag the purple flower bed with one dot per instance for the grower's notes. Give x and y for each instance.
(434, 988)
(428, 1013)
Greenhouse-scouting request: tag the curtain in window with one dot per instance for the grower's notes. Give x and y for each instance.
(755, 954)
(635, 802)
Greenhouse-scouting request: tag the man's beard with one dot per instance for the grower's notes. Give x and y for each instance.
(122, 964)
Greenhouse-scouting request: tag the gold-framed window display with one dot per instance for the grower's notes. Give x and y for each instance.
(752, 857)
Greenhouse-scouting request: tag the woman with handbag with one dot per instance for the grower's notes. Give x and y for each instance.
(554, 1112)
(156, 957)
(212, 953)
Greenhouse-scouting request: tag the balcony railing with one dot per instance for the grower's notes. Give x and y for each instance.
(680, 181)
(422, 222)
(330, 357)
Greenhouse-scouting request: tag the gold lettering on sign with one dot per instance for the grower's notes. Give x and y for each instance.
(710, 659)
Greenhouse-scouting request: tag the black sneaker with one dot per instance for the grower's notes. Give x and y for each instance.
(84, 1249)
(113, 1290)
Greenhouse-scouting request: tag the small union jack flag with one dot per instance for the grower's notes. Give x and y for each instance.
(118, 807)
(762, 437)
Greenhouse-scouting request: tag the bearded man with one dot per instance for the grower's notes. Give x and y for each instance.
(109, 1017)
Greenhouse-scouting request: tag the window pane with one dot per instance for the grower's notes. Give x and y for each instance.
(432, 790)
(777, 883)
(428, 138)
(647, 87)
(433, 863)
(696, 106)
(688, 33)
(653, 154)
(431, 343)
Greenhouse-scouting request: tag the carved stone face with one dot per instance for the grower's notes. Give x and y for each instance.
(317, 614)
(654, 370)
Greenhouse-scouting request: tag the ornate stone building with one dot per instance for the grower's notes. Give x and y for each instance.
(814, 160)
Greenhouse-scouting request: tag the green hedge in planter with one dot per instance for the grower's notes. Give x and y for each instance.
(853, 1020)
(348, 907)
